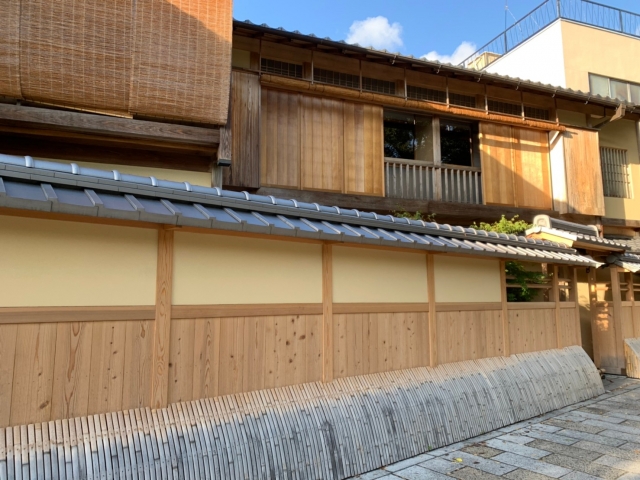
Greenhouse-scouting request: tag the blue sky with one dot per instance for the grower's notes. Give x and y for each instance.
(448, 30)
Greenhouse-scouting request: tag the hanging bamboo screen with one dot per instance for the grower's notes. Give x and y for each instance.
(154, 58)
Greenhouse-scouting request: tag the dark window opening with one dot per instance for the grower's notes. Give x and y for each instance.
(336, 78)
(420, 93)
(407, 136)
(459, 143)
(462, 100)
(380, 86)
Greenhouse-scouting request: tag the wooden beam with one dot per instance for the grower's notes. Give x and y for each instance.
(379, 307)
(506, 340)
(104, 125)
(162, 325)
(574, 298)
(460, 212)
(593, 309)
(327, 313)
(247, 310)
(555, 294)
(431, 295)
(22, 315)
(616, 295)
(83, 150)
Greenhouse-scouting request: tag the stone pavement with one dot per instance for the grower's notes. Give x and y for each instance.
(598, 438)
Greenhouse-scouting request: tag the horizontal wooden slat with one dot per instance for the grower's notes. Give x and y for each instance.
(530, 305)
(567, 304)
(465, 307)
(105, 125)
(214, 311)
(22, 315)
(379, 307)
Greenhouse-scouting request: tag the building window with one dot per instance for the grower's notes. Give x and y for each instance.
(535, 112)
(504, 107)
(459, 143)
(462, 100)
(615, 172)
(610, 87)
(380, 86)
(321, 75)
(281, 68)
(420, 93)
(407, 136)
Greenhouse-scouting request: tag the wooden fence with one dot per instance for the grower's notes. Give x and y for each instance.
(64, 362)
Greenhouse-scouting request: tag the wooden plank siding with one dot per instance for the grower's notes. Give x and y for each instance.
(515, 166)
(469, 335)
(245, 118)
(582, 166)
(315, 143)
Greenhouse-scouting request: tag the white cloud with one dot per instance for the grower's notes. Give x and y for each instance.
(461, 52)
(376, 32)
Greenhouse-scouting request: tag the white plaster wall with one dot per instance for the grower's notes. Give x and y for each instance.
(539, 59)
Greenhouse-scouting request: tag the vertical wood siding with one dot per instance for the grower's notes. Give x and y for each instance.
(319, 143)
(515, 166)
(469, 335)
(582, 164)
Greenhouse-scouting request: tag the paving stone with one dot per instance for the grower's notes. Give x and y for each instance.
(516, 437)
(632, 423)
(551, 437)
(541, 427)
(631, 447)
(481, 450)
(630, 476)
(580, 427)
(620, 436)
(516, 448)
(522, 474)
(617, 428)
(626, 416)
(605, 449)
(441, 465)
(394, 467)
(468, 473)
(592, 438)
(416, 472)
(373, 475)
(579, 476)
(570, 451)
(532, 465)
(619, 463)
(591, 416)
(486, 465)
(590, 468)
(460, 445)
(594, 410)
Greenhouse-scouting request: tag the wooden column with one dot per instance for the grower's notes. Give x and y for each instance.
(162, 324)
(574, 298)
(327, 313)
(555, 296)
(616, 295)
(223, 155)
(593, 307)
(631, 297)
(506, 339)
(431, 290)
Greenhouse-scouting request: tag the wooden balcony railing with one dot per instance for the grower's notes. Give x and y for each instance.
(417, 180)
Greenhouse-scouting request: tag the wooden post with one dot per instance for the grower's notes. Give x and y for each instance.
(327, 313)
(431, 291)
(593, 307)
(576, 300)
(225, 147)
(162, 324)
(631, 297)
(506, 340)
(617, 316)
(555, 296)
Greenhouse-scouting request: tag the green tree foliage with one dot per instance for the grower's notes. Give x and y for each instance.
(427, 217)
(521, 277)
(504, 225)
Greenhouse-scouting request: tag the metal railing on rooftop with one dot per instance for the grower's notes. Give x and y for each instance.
(582, 11)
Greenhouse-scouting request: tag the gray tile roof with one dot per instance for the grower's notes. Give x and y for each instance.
(396, 56)
(46, 186)
(578, 232)
(630, 261)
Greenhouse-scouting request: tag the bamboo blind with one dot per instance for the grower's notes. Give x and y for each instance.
(152, 58)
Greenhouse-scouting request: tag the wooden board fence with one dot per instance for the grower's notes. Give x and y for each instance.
(315, 430)
(632, 357)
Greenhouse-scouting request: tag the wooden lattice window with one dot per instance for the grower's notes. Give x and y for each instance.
(281, 68)
(421, 93)
(462, 100)
(321, 75)
(380, 86)
(615, 172)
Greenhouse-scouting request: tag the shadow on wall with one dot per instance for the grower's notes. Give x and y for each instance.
(152, 58)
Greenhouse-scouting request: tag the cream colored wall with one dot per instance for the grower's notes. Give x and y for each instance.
(378, 276)
(464, 280)
(622, 134)
(592, 50)
(54, 263)
(195, 178)
(240, 58)
(220, 269)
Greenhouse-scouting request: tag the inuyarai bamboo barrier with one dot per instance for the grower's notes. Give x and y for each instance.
(315, 430)
(632, 357)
